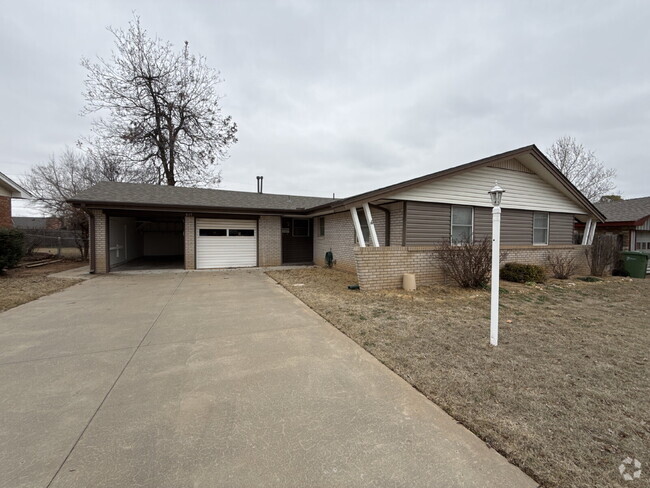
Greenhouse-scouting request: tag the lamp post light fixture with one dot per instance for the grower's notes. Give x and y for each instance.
(495, 195)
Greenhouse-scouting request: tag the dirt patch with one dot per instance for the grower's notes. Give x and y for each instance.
(565, 396)
(21, 285)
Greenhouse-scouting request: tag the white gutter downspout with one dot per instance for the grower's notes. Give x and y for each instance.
(371, 225)
(357, 227)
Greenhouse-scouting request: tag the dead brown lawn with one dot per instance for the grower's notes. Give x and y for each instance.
(566, 394)
(21, 285)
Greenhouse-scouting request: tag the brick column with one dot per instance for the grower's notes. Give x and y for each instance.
(190, 237)
(5, 212)
(99, 242)
(269, 241)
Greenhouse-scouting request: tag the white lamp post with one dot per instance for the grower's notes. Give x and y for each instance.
(495, 195)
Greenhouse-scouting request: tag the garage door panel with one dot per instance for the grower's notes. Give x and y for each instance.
(226, 243)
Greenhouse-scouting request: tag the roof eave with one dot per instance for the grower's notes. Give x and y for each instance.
(347, 202)
(567, 184)
(17, 190)
(179, 208)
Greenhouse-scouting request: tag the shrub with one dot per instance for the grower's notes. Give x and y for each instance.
(468, 264)
(603, 254)
(11, 248)
(562, 263)
(523, 273)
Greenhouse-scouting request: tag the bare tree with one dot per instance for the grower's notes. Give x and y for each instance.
(581, 166)
(161, 109)
(610, 198)
(603, 254)
(60, 178)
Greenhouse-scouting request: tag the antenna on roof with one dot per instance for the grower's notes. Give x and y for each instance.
(259, 183)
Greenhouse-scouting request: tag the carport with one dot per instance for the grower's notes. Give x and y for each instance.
(141, 226)
(145, 240)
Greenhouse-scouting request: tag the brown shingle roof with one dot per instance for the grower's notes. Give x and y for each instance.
(108, 192)
(626, 210)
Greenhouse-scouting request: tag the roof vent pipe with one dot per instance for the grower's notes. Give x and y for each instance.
(259, 183)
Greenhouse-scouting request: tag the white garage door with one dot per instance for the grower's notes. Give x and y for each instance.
(226, 243)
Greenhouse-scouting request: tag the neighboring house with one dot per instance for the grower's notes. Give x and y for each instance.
(401, 224)
(629, 220)
(9, 189)
(38, 223)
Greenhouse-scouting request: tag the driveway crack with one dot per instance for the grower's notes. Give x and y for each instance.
(101, 404)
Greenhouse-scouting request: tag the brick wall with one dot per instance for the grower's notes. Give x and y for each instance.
(5, 212)
(339, 237)
(269, 233)
(100, 241)
(382, 267)
(189, 236)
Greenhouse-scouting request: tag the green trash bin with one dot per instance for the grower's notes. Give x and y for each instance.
(635, 263)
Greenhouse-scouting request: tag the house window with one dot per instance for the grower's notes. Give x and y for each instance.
(300, 227)
(321, 226)
(462, 219)
(540, 228)
(365, 230)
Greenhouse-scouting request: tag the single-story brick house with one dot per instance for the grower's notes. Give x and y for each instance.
(9, 189)
(401, 223)
(629, 220)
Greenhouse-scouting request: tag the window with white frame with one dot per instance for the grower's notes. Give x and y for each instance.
(540, 228)
(462, 224)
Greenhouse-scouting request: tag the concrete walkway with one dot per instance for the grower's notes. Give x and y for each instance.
(210, 380)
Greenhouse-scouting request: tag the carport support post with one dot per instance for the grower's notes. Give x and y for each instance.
(371, 225)
(357, 227)
(585, 236)
(592, 232)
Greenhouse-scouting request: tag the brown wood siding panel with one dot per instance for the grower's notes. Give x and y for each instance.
(482, 223)
(426, 223)
(561, 228)
(516, 227)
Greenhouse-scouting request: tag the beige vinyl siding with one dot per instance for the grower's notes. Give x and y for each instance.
(560, 228)
(523, 191)
(512, 164)
(427, 223)
(516, 227)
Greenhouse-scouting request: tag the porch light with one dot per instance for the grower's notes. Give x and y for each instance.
(495, 195)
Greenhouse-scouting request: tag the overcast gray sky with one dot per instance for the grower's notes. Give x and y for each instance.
(348, 96)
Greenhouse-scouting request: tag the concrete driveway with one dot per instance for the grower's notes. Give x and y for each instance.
(210, 379)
